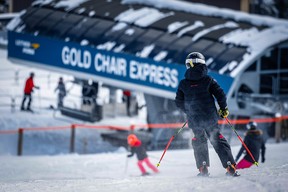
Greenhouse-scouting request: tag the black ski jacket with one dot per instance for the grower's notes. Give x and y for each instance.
(139, 150)
(196, 97)
(254, 141)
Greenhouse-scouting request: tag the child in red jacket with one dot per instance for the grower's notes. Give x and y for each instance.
(138, 148)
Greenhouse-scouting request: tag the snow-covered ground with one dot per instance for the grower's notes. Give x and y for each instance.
(46, 165)
(109, 172)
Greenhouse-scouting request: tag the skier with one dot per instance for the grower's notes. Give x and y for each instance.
(29, 86)
(254, 140)
(61, 92)
(138, 148)
(127, 99)
(195, 97)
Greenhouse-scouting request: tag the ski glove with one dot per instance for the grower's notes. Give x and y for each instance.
(223, 112)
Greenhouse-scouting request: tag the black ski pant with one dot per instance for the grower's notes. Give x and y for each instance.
(219, 143)
(29, 101)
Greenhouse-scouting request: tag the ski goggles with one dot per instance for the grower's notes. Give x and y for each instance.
(192, 62)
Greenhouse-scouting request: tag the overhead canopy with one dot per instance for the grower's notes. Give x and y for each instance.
(159, 30)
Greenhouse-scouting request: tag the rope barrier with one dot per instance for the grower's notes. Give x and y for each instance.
(132, 127)
(8, 132)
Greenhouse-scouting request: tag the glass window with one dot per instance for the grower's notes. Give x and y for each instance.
(45, 25)
(284, 58)
(252, 67)
(36, 17)
(269, 61)
(68, 22)
(266, 83)
(245, 89)
(284, 83)
(94, 33)
(163, 43)
(199, 46)
(75, 34)
(230, 54)
(147, 38)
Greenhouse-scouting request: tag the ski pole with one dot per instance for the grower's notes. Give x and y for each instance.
(169, 142)
(245, 146)
(126, 165)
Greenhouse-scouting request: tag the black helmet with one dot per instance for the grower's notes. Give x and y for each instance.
(194, 59)
(251, 125)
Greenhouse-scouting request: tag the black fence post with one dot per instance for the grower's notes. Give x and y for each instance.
(20, 141)
(72, 139)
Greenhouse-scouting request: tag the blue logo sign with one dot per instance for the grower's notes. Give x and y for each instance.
(140, 73)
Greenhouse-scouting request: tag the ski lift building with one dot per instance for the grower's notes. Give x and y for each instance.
(246, 54)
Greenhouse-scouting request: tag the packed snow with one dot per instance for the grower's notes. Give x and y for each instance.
(114, 172)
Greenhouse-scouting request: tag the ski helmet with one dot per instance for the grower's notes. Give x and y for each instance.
(251, 125)
(132, 139)
(193, 59)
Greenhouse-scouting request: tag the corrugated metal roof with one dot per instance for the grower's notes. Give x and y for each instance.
(129, 27)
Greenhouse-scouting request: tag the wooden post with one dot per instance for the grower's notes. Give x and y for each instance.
(20, 141)
(72, 139)
(132, 128)
(244, 6)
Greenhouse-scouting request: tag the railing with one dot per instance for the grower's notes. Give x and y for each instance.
(130, 128)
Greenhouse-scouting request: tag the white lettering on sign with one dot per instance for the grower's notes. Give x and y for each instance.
(154, 74)
(22, 43)
(109, 64)
(75, 57)
(28, 51)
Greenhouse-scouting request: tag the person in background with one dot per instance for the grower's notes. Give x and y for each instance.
(28, 89)
(61, 92)
(196, 96)
(127, 99)
(254, 141)
(137, 147)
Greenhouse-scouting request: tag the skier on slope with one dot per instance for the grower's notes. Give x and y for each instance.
(138, 148)
(28, 90)
(195, 96)
(254, 140)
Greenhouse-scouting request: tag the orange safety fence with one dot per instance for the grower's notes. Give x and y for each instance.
(132, 127)
(257, 120)
(72, 128)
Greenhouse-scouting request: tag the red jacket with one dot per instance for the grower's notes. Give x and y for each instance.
(29, 86)
(127, 93)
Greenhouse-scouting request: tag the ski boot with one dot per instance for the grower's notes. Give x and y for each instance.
(231, 170)
(29, 110)
(203, 170)
(145, 174)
